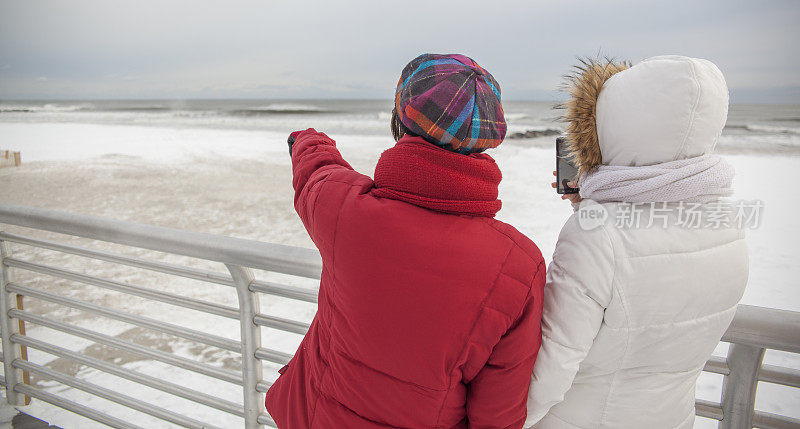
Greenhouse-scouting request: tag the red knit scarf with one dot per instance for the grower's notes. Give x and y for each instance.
(426, 175)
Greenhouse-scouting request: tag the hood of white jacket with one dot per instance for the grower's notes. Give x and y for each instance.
(662, 109)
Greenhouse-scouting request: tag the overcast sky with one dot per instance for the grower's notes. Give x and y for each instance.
(356, 49)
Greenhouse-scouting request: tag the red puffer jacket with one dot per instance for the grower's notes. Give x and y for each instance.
(429, 308)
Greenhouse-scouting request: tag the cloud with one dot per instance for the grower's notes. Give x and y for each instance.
(41, 79)
(5, 67)
(357, 48)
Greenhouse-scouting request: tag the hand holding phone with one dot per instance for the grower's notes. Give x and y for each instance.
(573, 198)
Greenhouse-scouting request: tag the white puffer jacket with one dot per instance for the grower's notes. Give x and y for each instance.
(631, 314)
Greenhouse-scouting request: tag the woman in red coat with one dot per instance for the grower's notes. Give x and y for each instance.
(429, 308)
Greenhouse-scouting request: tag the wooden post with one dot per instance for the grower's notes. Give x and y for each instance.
(10, 159)
(23, 350)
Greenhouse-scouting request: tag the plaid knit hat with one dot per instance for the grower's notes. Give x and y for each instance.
(452, 102)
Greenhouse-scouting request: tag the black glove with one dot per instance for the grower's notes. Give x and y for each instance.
(291, 139)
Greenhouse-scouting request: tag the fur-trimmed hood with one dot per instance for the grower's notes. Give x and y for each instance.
(662, 109)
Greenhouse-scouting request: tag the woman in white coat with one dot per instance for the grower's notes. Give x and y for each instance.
(646, 275)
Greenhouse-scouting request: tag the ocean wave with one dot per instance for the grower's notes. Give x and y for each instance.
(21, 108)
(771, 129)
(534, 133)
(282, 109)
(774, 144)
(515, 116)
(762, 129)
(135, 109)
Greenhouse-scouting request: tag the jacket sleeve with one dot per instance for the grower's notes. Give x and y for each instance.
(496, 395)
(322, 179)
(578, 290)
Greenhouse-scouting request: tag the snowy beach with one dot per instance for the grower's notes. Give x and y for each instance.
(224, 169)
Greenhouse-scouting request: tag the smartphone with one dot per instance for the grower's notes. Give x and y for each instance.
(565, 168)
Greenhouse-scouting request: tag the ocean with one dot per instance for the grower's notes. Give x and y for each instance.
(751, 128)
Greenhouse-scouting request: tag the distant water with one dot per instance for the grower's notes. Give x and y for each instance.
(768, 129)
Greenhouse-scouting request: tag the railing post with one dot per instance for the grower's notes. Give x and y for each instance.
(23, 350)
(251, 341)
(10, 351)
(739, 388)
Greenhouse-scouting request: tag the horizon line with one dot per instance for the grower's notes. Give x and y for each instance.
(529, 100)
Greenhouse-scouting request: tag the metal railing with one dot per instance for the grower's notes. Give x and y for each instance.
(239, 256)
(753, 330)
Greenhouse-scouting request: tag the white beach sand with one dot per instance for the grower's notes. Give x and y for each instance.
(238, 183)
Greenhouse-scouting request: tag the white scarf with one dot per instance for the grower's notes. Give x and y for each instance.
(701, 179)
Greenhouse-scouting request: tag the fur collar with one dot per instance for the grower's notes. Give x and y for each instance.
(583, 86)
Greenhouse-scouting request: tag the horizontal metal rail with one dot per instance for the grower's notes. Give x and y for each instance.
(708, 409)
(717, 365)
(281, 324)
(769, 328)
(130, 347)
(247, 253)
(290, 292)
(765, 420)
(271, 288)
(779, 375)
(273, 356)
(263, 386)
(157, 266)
(266, 420)
(74, 407)
(165, 297)
(111, 395)
(137, 377)
(144, 322)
